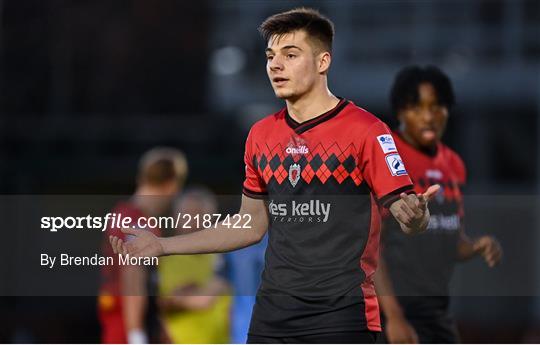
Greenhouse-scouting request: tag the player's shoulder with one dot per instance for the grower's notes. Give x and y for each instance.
(453, 158)
(361, 116)
(451, 153)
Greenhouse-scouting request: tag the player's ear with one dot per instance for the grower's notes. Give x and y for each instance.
(324, 61)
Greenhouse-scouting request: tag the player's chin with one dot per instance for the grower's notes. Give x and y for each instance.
(283, 94)
(428, 144)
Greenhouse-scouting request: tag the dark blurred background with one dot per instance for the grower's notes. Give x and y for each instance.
(87, 86)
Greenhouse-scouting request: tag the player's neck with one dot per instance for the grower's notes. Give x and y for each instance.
(428, 150)
(311, 105)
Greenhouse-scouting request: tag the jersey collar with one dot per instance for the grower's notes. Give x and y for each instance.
(301, 127)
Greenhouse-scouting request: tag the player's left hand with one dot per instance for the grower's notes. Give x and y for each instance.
(489, 248)
(411, 210)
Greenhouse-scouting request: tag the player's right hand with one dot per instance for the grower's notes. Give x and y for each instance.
(141, 244)
(412, 212)
(399, 331)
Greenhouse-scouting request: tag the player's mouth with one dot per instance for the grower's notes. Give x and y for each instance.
(279, 81)
(428, 134)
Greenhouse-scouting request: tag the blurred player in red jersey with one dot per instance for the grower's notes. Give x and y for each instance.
(414, 274)
(126, 308)
(316, 175)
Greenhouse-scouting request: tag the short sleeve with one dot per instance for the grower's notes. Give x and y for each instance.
(382, 166)
(254, 186)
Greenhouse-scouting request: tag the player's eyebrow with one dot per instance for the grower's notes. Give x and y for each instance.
(290, 46)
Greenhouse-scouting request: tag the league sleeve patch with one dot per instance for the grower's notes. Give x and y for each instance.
(395, 164)
(387, 143)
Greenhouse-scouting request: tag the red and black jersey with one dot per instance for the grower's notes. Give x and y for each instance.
(422, 265)
(324, 180)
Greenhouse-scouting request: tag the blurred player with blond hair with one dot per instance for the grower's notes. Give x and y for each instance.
(126, 309)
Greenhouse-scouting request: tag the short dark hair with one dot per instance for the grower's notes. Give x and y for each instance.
(318, 27)
(405, 88)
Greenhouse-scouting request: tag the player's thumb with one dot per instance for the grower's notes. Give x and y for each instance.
(479, 244)
(431, 192)
(130, 231)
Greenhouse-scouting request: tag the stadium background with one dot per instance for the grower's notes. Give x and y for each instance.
(87, 86)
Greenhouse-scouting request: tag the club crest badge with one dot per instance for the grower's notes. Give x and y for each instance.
(294, 174)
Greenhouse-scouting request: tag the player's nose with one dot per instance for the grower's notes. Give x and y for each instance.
(275, 64)
(428, 116)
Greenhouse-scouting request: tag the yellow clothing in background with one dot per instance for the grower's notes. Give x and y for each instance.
(201, 326)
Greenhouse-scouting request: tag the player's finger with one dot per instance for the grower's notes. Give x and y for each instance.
(489, 257)
(410, 200)
(123, 249)
(402, 217)
(414, 205)
(120, 246)
(496, 256)
(113, 240)
(491, 261)
(126, 247)
(407, 210)
(492, 257)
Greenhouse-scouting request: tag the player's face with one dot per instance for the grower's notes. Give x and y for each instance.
(423, 124)
(291, 65)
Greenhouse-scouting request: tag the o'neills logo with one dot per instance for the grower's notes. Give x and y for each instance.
(300, 150)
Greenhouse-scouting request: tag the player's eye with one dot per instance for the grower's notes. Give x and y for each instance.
(437, 108)
(414, 108)
(269, 57)
(291, 56)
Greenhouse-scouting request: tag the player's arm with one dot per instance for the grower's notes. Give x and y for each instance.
(398, 330)
(486, 246)
(134, 300)
(222, 238)
(387, 177)
(411, 211)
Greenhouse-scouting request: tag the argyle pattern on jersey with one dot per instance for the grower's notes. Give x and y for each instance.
(322, 163)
